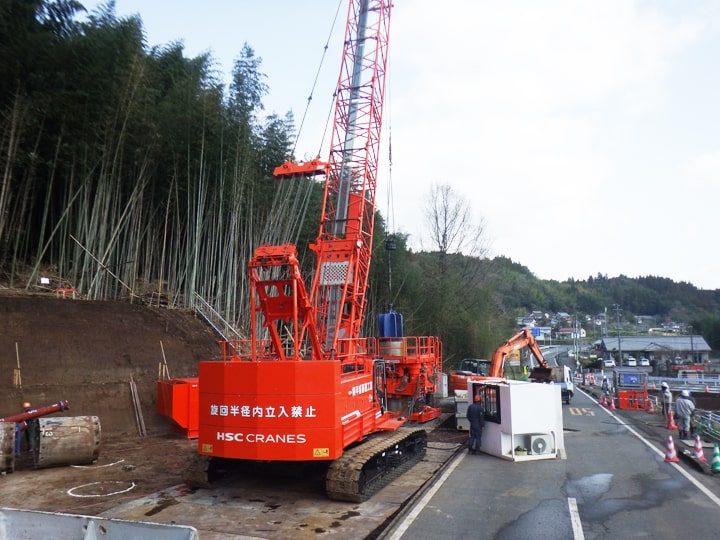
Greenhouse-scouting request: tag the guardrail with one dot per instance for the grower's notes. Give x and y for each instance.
(707, 423)
(214, 319)
(710, 384)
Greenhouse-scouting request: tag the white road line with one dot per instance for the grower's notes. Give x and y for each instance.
(709, 494)
(575, 519)
(422, 503)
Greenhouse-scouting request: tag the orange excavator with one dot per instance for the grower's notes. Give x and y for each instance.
(542, 373)
(307, 386)
(472, 369)
(522, 339)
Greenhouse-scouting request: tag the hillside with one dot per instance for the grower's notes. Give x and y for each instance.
(86, 352)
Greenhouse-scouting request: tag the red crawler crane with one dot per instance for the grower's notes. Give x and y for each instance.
(307, 386)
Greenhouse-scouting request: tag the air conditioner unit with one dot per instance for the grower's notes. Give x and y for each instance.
(541, 444)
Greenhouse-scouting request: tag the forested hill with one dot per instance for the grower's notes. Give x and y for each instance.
(647, 295)
(130, 172)
(518, 291)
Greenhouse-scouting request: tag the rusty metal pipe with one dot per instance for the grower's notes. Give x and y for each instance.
(61, 405)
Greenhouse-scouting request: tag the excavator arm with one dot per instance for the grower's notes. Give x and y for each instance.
(524, 338)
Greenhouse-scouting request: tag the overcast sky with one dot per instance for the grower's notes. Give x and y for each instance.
(586, 134)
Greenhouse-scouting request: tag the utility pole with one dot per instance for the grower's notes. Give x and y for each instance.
(692, 349)
(617, 326)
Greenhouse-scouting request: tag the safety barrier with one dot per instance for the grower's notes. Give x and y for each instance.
(706, 383)
(36, 525)
(707, 423)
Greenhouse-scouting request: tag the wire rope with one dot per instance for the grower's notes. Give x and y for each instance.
(314, 85)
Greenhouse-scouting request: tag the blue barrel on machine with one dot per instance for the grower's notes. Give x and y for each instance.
(390, 324)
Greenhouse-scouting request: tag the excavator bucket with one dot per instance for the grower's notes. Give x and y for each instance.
(541, 374)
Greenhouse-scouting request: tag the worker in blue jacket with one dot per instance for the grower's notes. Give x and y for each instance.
(476, 417)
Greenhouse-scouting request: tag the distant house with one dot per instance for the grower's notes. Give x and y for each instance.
(571, 333)
(666, 349)
(645, 322)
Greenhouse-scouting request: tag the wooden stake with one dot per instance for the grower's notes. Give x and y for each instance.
(17, 376)
(138, 408)
(164, 371)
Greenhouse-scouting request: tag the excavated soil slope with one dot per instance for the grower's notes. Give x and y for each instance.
(87, 351)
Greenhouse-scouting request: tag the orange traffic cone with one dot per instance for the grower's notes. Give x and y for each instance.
(650, 406)
(715, 466)
(654, 387)
(707, 389)
(671, 421)
(612, 403)
(698, 451)
(602, 401)
(670, 455)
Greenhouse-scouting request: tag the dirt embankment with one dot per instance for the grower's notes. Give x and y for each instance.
(87, 351)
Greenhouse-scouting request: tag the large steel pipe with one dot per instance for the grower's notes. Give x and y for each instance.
(61, 405)
(70, 440)
(7, 447)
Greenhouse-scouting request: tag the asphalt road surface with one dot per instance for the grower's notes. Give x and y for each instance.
(614, 483)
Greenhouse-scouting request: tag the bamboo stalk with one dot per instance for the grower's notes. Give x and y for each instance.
(102, 264)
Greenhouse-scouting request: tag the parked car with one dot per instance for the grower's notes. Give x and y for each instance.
(608, 362)
(631, 362)
(644, 361)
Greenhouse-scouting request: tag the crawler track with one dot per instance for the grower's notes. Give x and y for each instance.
(366, 468)
(355, 476)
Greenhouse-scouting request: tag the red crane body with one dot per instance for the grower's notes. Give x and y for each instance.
(307, 385)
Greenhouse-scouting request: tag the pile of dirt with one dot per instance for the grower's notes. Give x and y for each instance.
(87, 352)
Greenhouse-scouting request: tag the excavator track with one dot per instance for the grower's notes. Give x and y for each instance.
(365, 469)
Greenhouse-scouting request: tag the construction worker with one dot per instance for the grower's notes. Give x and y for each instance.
(33, 427)
(684, 410)
(666, 399)
(476, 417)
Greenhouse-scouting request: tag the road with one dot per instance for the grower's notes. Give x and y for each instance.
(618, 483)
(614, 483)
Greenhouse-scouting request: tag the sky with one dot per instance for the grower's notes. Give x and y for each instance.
(583, 134)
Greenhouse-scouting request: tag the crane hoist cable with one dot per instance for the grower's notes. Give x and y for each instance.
(293, 198)
(314, 85)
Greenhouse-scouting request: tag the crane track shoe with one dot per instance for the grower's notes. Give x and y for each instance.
(365, 469)
(670, 455)
(671, 421)
(715, 465)
(197, 473)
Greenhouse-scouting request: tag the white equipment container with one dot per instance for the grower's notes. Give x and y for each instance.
(520, 415)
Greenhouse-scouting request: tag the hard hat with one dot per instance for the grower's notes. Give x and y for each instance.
(26, 405)
(685, 393)
(664, 385)
(477, 397)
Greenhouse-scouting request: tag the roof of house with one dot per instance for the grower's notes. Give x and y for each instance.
(656, 343)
